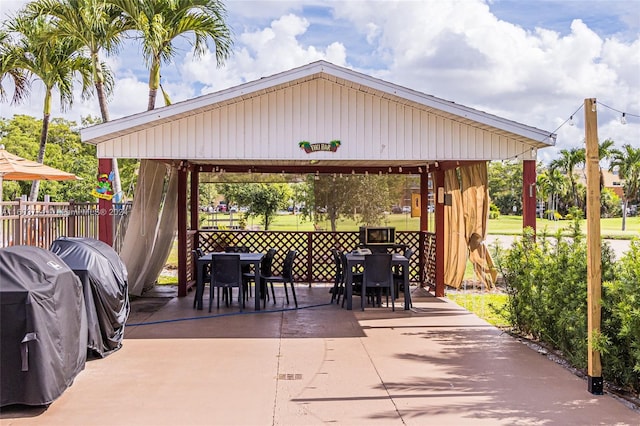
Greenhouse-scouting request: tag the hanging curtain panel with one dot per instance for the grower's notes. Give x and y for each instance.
(455, 247)
(475, 201)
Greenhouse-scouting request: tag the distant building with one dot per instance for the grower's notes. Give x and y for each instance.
(611, 180)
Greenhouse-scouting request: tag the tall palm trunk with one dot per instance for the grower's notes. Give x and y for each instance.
(98, 78)
(44, 133)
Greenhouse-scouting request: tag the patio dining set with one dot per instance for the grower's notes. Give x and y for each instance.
(359, 272)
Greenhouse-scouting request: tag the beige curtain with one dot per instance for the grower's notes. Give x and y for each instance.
(475, 199)
(455, 244)
(151, 227)
(165, 233)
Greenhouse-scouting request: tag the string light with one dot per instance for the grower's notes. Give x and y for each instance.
(593, 106)
(623, 119)
(571, 123)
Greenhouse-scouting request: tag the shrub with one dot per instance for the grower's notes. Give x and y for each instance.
(621, 322)
(494, 211)
(547, 286)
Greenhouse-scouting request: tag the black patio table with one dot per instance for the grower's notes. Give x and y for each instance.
(355, 259)
(245, 259)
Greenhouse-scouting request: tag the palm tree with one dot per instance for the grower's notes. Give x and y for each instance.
(605, 151)
(157, 23)
(96, 26)
(10, 69)
(54, 61)
(552, 184)
(568, 161)
(627, 162)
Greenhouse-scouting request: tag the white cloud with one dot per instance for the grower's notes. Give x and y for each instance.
(264, 52)
(457, 50)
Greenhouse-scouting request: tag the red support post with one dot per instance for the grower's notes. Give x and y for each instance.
(193, 202)
(438, 179)
(424, 223)
(529, 202)
(182, 231)
(424, 202)
(105, 217)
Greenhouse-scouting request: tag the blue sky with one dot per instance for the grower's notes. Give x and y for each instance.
(532, 61)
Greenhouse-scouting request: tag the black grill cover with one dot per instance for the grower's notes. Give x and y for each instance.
(104, 280)
(43, 326)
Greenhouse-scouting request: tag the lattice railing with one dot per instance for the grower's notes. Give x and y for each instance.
(314, 263)
(429, 258)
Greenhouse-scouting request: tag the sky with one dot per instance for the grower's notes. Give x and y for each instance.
(531, 61)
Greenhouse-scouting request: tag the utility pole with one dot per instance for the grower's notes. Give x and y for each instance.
(594, 250)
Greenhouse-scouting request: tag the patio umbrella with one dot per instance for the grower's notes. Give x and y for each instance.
(13, 167)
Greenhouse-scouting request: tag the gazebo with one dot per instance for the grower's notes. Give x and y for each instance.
(321, 118)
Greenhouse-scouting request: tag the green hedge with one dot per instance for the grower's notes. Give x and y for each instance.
(546, 281)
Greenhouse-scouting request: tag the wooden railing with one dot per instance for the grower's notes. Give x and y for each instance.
(41, 223)
(314, 263)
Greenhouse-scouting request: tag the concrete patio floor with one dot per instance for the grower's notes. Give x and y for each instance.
(437, 364)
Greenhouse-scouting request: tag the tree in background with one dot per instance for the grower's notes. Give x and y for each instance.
(55, 61)
(65, 151)
(551, 184)
(94, 26)
(568, 161)
(364, 198)
(263, 200)
(627, 162)
(505, 185)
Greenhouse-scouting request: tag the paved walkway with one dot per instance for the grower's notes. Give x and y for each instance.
(435, 365)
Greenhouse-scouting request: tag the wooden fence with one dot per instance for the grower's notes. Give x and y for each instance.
(38, 223)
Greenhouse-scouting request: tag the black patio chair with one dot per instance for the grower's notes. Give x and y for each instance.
(378, 274)
(338, 284)
(245, 268)
(226, 274)
(285, 278)
(356, 279)
(206, 269)
(266, 265)
(398, 277)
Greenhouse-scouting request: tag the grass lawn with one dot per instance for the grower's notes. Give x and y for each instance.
(504, 225)
(491, 307)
